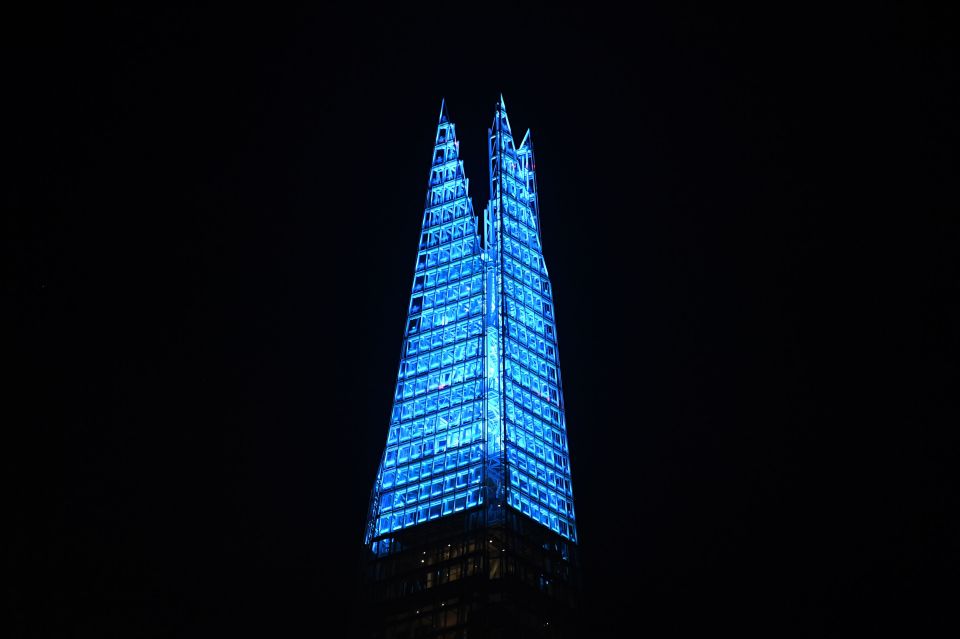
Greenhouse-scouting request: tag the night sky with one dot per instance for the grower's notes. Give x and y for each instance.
(749, 220)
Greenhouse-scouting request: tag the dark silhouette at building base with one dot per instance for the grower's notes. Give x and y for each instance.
(458, 577)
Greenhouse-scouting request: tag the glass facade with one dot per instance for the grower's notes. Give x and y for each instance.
(478, 414)
(537, 457)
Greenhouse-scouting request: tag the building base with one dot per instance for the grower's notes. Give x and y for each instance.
(462, 577)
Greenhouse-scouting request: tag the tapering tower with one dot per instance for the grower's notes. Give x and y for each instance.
(471, 531)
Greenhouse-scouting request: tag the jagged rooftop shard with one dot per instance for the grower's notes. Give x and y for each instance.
(536, 452)
(478, 420)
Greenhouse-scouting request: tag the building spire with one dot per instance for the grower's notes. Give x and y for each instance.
(500, 120)
(444, 117)
(527, 143)
(460, 396)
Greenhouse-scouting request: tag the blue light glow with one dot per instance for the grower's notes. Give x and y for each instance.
(478, 410)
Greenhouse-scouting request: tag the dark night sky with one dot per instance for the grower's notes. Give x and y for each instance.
(749, 220)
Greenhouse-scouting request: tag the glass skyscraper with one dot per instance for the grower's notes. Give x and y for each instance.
(477, 440)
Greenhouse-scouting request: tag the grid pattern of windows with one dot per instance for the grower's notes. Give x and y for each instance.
(478, 405)
(432, 465)
(538, 460)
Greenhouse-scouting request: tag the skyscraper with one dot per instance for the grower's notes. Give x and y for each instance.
(471, 530)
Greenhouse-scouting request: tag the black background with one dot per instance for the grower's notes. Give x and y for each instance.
(749, 221)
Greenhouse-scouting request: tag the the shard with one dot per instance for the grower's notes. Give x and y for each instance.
(471, 528)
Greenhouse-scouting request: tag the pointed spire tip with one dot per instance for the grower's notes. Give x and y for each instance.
(443, 111)
(500, 119)
(527, 140)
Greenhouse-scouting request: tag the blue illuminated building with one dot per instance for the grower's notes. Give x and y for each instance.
(478, 415)
(471, 529)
